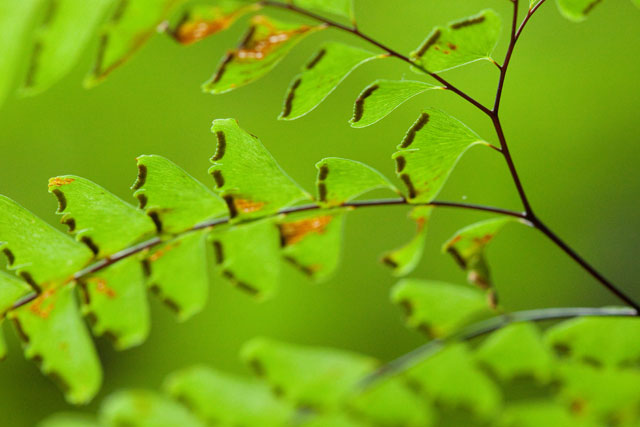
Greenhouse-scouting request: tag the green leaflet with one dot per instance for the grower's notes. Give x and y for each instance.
(342, 8)
(171, 196)
(312, 242)
(115, 302)
(320, 76)
(468, 40)
(533, 3)
(314, 377)
(405, 259)
(248, 256)
(266, 43)
(599, 341)
(185, 290)
(62, 39)
(247, 177)
(145, 408)
(468, 246)
(341, 180)
(381, 97)
(69, 419)
(429, 152)
(438, 308)
(542, 413)
(102, 221)
(516, 351)
(222, 399)
(451, 378)
(54, 333)
(130, 27)
(11, 290)
(37, 251)
(577, 10)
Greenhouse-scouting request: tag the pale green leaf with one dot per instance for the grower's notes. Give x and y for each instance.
(337, 7)
(227, 400)
(130, 27)
(451, 378)
(597, 340)
(248, 256)
(97, 218)
(516, 351)
(37, 251)
(175, 199)
(11, 290)
(55, 335)
(429, 152)
(326, 69)
(541, 413)
(247, 176)
(266, 43)
(62, 39)
(308, 376)
(533, 3)
(178, 273)
(115, 302)
(141, 408)
(468, 245)
(381, 97)
(69, 419)
(405, 259)
(577, 10)
(312, 242)
(459, 43)
(438, 308)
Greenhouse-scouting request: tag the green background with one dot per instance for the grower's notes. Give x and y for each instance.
(570, 114)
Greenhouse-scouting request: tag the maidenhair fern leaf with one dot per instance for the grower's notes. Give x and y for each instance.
(577, 10)
(342, 180)
(405, 259)
(266, 43)
(247, 177)
(381, 97)
(173, 198)
(459, 43)
(326, 69)
(337, 7)
(11, 290)
(437, 308)
(429, 152)
(105, 223)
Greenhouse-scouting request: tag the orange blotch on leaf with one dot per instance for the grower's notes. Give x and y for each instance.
(102, 287)
(247, 206)
(58, 182)
(294, 232)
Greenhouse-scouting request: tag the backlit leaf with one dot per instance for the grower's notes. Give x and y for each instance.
(55, 335)
(380, 98)
(342, 180)
(429, 152)
(459, 43)
(175, 199)
(337, 7)
(11, 290)
(577, 10)
(105, 223)
(320, 76)
(266, 43)
(541, 413)
(247, 177)
(438, 308)
(405, 259)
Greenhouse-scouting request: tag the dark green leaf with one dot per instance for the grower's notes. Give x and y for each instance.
(405, 259)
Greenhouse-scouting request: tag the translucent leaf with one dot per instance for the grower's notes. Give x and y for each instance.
(459, 43)
(405, 259)
(541, 413)
(55, 336)
(320, 76)
(97, 218)
(451, 378)
(199, 21)
(62, 39)
(36, 250)
(430, 151)
(597, 340)
(468, 246)
(130, 27)
(145, 408)
(312, 242)
(247, 176)
(173, 198)
(249, 256)
(337, 7)
(266, 43)
(439, 308)
(11, 290)
(115, 302)
(226, 400)
(178, 274)
(380, 98)
(69, 419)
(314, 377)
(515, 351)
(577, 10)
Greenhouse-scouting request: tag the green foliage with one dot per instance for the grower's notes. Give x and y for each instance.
(405, 258)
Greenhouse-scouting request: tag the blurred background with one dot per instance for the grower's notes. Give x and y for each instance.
(570, 112)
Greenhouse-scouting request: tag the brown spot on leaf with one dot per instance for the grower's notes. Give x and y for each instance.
(102, 287)
(452, 46)
(62, 200)
(322, 191)
(223, 66)
(590, 7)
(417, 127)
(141, 178)
(429, 42)
(189, 32)
(247, 206)
(314, 61)
(401, 162)
(40, 307)
(288, 103)
(218, 178)
(410, 187)
(163, 251)
(59, 182)
(359, 106)
(221, 147)
(294, 232)
(389, 261)
(309, 270)
(468, 22)
(253, 49)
